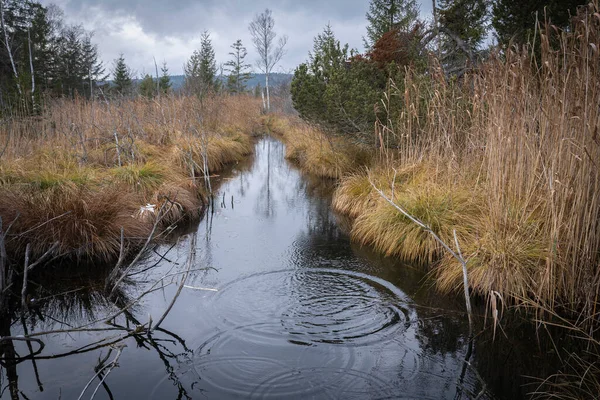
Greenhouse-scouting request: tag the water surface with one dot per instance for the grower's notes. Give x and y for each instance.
(279, 304)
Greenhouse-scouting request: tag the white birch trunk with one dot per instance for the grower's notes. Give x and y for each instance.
(33, 105)
(268, 97)
(7, 44)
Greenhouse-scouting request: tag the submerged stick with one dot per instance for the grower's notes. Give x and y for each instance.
(111, 365)
(201, 288)
(190, 262)
(25, 269)
(115, 272)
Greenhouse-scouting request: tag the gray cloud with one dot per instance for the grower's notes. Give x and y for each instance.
(170, 30)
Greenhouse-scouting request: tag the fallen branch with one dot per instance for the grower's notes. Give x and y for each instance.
(457, 255)
(190, 262)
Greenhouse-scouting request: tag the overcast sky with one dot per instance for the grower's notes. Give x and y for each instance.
(170, 29)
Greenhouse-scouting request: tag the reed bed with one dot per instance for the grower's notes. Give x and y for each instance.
(511, 161)
(84, 170)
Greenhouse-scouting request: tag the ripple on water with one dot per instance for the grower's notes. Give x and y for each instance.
(303, 333)
(314, 306)
(237, 361)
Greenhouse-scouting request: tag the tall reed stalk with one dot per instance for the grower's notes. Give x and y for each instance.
(522, 133)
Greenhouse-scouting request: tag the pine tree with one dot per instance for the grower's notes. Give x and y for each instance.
(122, 79)
(238, 69)
(385, 15)
(335, 91)
(49, 57)
(467, 20)
(258, 90)
(515, 20)
(164, 82)
(328, 56)
(93, 70)
(191, 69)
(70, 64)
(147, 87)
(208, 65)
(200, 70)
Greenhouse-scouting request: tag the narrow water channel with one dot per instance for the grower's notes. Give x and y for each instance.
(279, 305)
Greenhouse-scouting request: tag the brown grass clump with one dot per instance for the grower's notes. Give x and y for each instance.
(354, 195)
(182, 199)
(189, 152)
(83, 170)
(84, 222)
(505, 254)
(390, 232)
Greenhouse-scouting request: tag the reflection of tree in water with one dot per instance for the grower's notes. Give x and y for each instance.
(75, 301)
(266, 204)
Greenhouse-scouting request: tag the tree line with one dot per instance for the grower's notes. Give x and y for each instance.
(41, 55)
(342, 89)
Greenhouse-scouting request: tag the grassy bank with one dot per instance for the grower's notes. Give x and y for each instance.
(83, 171)
(314, 151)
(509, 158)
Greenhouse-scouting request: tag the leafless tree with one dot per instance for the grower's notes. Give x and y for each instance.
(269, 54)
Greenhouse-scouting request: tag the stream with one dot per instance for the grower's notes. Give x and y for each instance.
(278, 304)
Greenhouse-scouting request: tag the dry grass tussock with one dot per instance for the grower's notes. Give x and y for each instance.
(515, 147)
(314, 151)
(82, 171)
(444, 208)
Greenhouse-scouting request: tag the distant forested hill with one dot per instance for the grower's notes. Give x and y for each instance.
(255, 79)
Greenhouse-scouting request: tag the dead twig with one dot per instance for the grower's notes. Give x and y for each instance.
(110, 366)
(190, 262)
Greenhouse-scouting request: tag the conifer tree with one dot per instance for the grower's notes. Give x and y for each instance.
(515, 20)
(122, 76)
(238, 69)
(385, 15)
(201, 68)
(164, 82)
(191, 69)
(147, 87)
(40, 54)
(93, 70)
(208, 65)
(466, 20)
(258, 90)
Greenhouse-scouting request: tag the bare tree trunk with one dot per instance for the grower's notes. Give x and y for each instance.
(3, 265)
(157, 81)
(268, 97)
(435, 24)
(91, 86)
(33, 105)
(7, 44)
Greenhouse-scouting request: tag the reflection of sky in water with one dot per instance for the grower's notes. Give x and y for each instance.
(300, 311)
